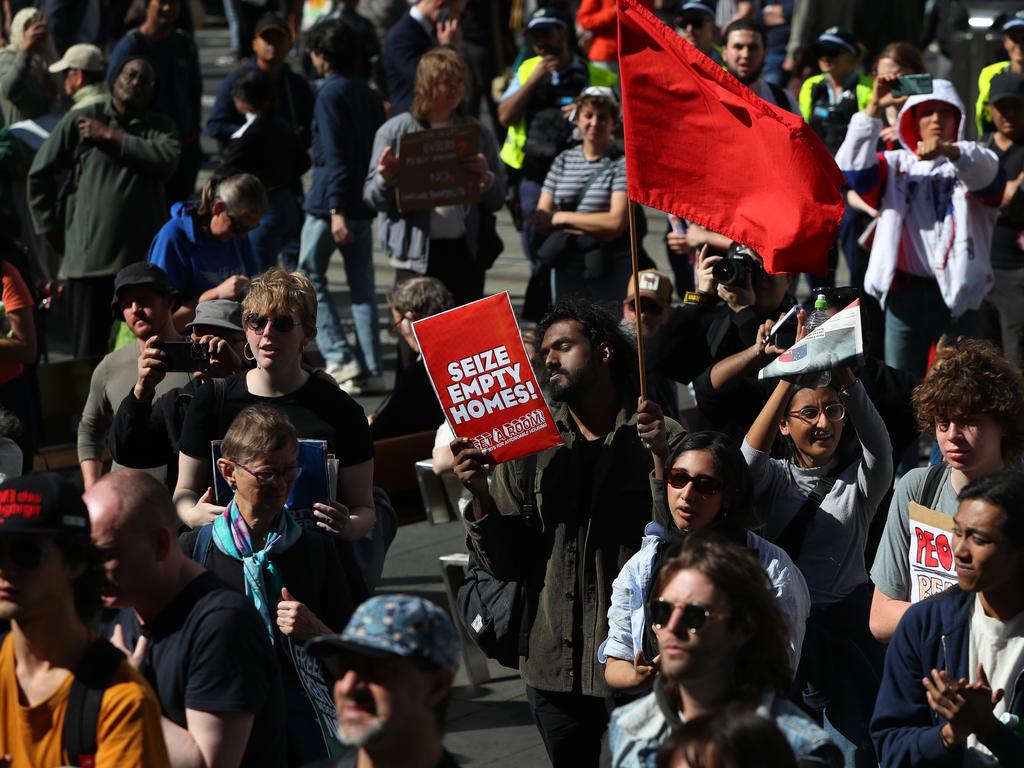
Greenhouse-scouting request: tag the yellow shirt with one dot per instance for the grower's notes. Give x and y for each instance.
(128, 732)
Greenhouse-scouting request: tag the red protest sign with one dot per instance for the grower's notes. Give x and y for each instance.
(483, 378)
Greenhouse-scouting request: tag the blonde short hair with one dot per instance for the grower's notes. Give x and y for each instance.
(279, 292)
(256, 432)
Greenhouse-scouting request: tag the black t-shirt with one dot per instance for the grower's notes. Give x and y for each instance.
(318, 410)
(209, 651)
(316, 579)
(1006, 254)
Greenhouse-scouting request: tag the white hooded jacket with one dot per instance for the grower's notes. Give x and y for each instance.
(939, 212)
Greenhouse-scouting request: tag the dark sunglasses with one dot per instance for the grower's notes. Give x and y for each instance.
(694, 616)
(691, 21)
(236, 227)
(281, 323)
(647, 306)
(810, 414)
(24, 552)
(705, 486)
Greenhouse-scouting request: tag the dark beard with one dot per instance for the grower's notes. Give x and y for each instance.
(751, 78)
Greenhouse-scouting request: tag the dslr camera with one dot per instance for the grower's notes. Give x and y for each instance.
(734, 268)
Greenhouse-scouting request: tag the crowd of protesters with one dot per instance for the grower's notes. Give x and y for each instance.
(726, 572)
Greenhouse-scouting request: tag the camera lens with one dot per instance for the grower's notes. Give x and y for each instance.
(728, 271)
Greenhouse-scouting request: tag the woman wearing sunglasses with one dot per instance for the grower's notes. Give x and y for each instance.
(818, 503)
(292, 576)
(703, 484)
(204, 248)
(279, 316)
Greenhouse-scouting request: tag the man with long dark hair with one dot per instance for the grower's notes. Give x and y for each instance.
(593, 496)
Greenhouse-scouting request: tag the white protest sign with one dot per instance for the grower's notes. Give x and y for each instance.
(932, 566)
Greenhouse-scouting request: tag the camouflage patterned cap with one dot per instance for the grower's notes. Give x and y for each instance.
(395, 625)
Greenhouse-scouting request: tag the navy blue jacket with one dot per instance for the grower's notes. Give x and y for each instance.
(406, 42)
(179, 83)
(346, 117)
(933, 634)
(294, 105)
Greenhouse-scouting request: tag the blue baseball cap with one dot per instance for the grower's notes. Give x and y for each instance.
(705, 7)
(835, 40)
(395, 625)
(1016, 21)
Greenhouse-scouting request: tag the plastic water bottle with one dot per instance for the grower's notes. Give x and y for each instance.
(819, 315)
(817, 318)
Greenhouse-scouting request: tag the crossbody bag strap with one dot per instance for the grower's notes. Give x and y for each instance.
(793, 535)
(605, 165)
(529, 511)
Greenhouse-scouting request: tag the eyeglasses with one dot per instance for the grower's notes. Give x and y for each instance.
(705, 486)
(648, 306)
(810, 414)
(267, 475)
(237, 227)
(24, 552)
(281, 323)
(694, 616)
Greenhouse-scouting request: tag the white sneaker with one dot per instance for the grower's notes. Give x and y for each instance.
(345, 372)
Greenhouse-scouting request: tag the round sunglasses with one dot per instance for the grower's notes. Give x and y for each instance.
(693, 615)
(24, 552)
(281, 323)
(704, 485)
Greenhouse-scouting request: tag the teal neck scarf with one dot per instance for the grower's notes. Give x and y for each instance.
(263, 581)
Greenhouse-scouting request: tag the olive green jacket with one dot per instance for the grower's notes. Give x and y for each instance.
(116, 200)
(570, 563)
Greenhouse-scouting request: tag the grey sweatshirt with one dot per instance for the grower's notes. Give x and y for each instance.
(832, 558)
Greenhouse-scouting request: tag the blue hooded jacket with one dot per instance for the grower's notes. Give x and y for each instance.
(933, 634)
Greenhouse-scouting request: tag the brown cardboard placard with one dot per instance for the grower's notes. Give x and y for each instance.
(430, 170)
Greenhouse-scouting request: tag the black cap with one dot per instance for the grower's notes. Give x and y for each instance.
(836, 40)
(141, 273)
(704, 7)
(42, 503)
(548, 17)
(272, 20)
(1006, 85)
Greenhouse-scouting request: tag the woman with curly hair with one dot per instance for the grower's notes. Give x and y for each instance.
(973, 402)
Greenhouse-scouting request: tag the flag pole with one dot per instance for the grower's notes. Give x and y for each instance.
(636, 299)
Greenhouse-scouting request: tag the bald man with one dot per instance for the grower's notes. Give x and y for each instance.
(200, 644)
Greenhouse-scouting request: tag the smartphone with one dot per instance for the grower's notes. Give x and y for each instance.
(444, 15)
(187, 356)
(912, 85)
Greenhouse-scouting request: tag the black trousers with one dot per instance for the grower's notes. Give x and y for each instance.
(182, 185)
(572, 726)
(89, 314)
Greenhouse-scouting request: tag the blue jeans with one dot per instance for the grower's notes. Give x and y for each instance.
(915, 317)
(773, 71)
(314, 255)
(529, 196)
(278, 232)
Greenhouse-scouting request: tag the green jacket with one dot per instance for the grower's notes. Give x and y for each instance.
(515, 140)
(610, 532)
(116, 202)
(985, 124)
(27, 89)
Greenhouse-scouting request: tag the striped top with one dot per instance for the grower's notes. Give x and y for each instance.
(571, 171)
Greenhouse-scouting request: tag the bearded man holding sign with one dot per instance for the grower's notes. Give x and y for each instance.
(593, 495)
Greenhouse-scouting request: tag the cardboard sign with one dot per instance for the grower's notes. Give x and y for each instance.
(430, 169)
(483, 378)
(932, 566)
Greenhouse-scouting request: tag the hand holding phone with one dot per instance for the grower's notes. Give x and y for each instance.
(184, 356)
(912, 85)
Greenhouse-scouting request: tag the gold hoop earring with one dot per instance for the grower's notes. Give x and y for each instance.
(247, 353)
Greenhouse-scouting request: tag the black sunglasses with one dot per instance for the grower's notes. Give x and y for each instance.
(24, 552)
(281, 323)
(237, 227)
(705, 486)
(694, 616)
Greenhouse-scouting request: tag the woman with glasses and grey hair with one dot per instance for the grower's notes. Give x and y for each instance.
(203, 247)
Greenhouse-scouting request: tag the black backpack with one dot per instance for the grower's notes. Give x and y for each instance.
(497, 614)
(92, 678)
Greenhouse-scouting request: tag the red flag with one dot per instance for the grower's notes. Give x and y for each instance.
(704, 147)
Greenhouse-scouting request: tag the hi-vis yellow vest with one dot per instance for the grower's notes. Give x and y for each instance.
(512, 151)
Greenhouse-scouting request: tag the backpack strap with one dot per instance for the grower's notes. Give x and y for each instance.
(778, 95)
(203, 544)
(91, 678)
(529, 511)
(792, 537)
(932, 485)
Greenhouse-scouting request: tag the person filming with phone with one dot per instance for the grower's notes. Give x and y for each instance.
(145, 300)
